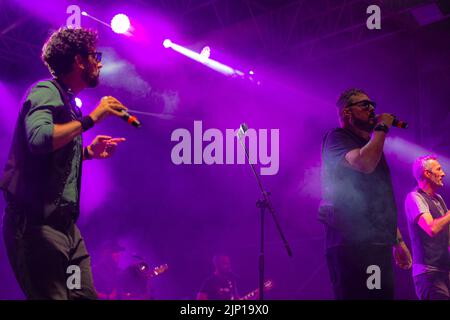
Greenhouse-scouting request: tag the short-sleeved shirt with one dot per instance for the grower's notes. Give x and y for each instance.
(430, 254)
(356, 207)
(219, 287)
(44, 183)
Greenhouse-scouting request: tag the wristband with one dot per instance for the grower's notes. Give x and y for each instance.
(381, 127)
(86, 123)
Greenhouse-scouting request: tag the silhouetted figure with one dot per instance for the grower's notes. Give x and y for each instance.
(221, 285)
(107, 273)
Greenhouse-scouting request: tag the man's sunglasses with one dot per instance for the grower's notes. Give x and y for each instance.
(365, 104)
(97, 55)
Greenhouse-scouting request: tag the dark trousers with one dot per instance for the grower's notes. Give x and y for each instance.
(40, 257)
(350, 272)
(433, 286)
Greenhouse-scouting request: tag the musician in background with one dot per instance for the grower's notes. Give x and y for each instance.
(221, 285)
(130, 283)
(428, 221)
(107, 273)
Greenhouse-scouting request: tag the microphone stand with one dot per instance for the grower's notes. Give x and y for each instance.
(262, 204)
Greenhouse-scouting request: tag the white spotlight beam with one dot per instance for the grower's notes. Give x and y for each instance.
(407, 151)
(210, 63)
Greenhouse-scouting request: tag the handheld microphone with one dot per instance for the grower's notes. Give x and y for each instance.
(130, 119)
(399, 124)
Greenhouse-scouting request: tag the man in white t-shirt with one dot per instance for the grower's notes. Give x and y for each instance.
(428, 223)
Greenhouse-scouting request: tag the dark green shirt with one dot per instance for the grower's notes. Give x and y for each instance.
(43, 183)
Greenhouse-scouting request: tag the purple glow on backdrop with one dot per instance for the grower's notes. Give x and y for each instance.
(51, 11)
(97, 186)
(9, 110)
(406, 152)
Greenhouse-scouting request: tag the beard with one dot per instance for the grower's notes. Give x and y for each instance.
(90, 78)
(367, 126)
(437, 181)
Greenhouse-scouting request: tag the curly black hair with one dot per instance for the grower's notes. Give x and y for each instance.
(59, 51)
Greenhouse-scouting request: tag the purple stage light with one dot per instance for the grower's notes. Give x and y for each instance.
(120, 23)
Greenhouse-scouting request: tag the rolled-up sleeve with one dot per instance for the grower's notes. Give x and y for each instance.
(41, 104)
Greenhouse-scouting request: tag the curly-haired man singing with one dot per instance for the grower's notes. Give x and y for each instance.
(41, 181)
